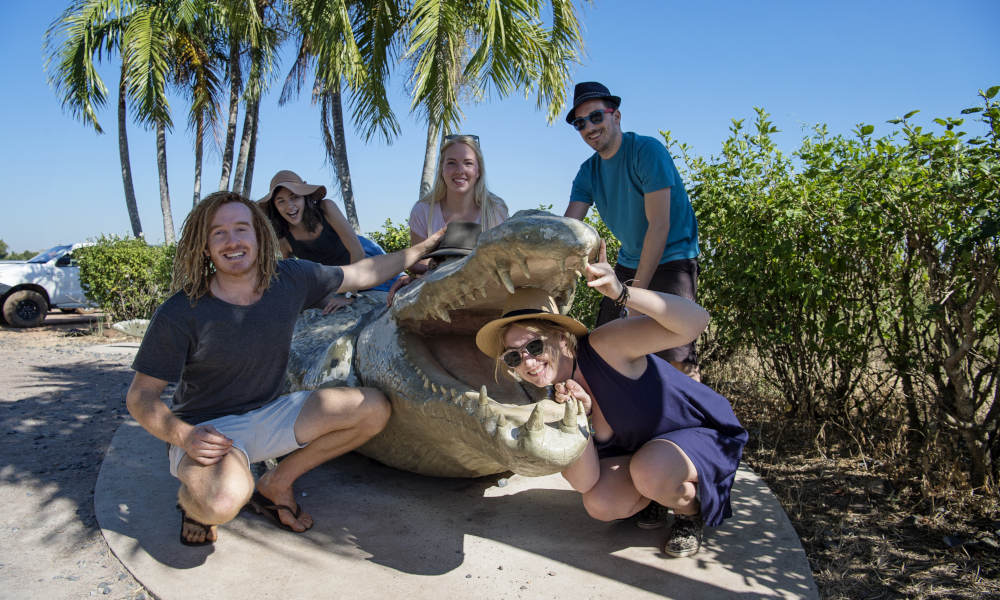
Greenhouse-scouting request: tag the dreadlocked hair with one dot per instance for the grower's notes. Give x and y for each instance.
(193, 269)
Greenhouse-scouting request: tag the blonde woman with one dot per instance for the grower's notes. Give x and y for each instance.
(459, 193)
(658, 435)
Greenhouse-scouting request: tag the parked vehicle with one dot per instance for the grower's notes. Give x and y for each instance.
(29, 289)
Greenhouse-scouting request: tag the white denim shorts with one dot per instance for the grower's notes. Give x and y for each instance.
(263, 433)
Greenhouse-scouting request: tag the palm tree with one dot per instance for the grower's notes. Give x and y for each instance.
(87, 31)
(345, 41)
(147, 59)
(253, 39)
(478, 46)
(197, 58)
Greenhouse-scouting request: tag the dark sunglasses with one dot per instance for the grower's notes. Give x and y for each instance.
(595, 117)
(535, 347)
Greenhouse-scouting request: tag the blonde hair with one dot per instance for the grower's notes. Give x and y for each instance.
(193, 269)
(492, 209)
(542, 327)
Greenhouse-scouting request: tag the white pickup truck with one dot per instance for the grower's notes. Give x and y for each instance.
(28, 289)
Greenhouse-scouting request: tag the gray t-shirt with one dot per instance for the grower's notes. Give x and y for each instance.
(229, 359)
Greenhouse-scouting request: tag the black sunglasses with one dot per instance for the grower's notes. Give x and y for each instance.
(512, 358)
(595, 117)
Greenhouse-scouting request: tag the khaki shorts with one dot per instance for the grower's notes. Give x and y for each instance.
(267, 432)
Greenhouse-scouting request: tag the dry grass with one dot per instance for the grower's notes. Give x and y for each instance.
(871, 526)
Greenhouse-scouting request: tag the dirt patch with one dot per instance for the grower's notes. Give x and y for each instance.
(868, 528)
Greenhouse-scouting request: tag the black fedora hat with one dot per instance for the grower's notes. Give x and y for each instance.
(590, 90)
(459, 239)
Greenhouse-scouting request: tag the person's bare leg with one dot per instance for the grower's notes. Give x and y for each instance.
(333, 421)
(213, 494)
(614, 496)
(661, 471)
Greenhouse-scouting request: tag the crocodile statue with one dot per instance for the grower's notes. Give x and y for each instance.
(453, 413)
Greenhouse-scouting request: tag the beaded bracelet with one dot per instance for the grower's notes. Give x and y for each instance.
(622, 300)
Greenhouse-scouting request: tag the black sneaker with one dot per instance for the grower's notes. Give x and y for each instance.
(685, 536)
(654, 516)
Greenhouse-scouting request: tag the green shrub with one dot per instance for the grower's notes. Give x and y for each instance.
(126, 277)
(392, 237)
(861, 275)
(587, 300)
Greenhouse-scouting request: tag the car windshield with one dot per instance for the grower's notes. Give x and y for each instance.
(49, 254)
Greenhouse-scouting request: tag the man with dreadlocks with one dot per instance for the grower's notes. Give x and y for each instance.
(224, 337)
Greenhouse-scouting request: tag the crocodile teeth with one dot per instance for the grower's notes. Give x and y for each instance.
(442, 314)
(483, 398)
(577, 273)
(427, 382)
(522, 260)
(569, 417)
(504, 275)
(536, 421)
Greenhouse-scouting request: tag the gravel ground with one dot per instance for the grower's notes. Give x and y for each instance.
(60, 403)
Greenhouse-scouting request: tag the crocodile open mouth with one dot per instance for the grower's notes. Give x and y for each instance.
(454, 412)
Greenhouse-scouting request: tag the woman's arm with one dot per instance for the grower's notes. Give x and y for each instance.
(285, 248)
(347, 235)
(420, 267)
(667, 321)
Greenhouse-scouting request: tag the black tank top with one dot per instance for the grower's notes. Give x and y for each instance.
(327, 249)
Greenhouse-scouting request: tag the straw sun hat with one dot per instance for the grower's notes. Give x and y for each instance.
(524, 303)
(293, 183)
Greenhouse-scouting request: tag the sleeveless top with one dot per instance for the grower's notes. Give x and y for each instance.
(664, 403)
(327, 249)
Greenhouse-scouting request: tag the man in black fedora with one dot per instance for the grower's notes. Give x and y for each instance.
(633, 182)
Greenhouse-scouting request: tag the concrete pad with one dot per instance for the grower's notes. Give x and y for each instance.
(383, 533)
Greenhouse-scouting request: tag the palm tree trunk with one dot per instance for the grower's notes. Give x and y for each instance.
(241, 162)
(252, 153)
(199, 142)
(430, 158)
(336, 150)
(123, 156)
(161, 167)
(234, 113)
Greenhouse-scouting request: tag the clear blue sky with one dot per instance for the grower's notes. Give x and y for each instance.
(687, 67)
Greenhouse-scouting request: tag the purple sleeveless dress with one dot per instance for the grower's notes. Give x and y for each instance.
(664, 403)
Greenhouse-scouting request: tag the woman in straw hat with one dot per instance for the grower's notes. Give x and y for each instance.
(459, 193)
(657, 435)
(310, 226)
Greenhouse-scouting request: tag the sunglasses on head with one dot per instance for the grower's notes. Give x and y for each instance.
(595, 117)
(475, 138)
(512, 358)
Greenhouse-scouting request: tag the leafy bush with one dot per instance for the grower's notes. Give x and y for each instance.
(126, 277)
(587, 300)
(862, 275)
(392, 237)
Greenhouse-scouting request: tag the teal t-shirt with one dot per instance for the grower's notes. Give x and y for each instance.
(617, 186)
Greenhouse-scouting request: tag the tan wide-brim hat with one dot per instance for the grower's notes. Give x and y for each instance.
(524, 303)
(295, 184)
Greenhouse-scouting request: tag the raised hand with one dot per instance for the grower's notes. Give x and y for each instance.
(601, 276)
(571, 390)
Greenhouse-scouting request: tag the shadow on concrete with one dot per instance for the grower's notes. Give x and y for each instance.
(57, 425)
(399, 532)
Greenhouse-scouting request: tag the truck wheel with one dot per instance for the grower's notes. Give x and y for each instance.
(25, 308)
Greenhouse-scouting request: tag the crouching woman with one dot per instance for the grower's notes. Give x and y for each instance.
(658, 435)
